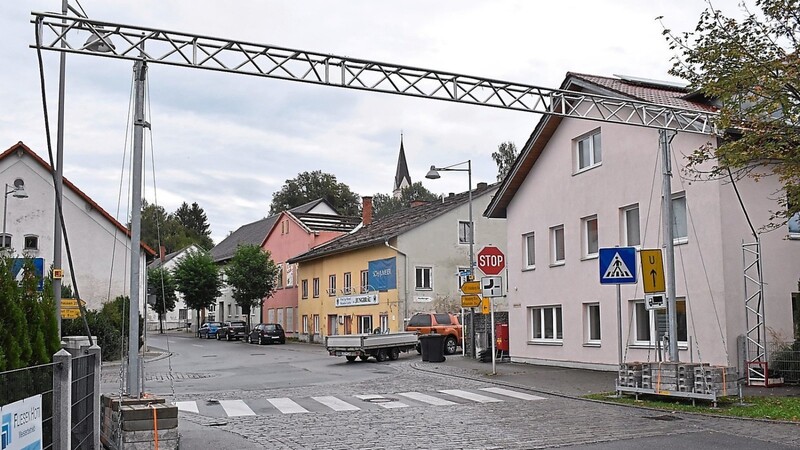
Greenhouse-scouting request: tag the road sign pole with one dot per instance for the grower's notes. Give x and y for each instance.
(619, 326)
(494, 343)
(667, 217)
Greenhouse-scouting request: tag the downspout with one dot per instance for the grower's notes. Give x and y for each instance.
(405, 281)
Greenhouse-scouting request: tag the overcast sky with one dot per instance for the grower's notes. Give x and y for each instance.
(229, 141)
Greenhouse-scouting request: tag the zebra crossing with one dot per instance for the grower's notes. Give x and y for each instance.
(361, 402)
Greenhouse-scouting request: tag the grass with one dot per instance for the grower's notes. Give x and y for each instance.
(774, 408)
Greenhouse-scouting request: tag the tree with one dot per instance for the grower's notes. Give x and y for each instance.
(309, 186)
(384, 204)
(252, 275)
(504, 157)
(161, 283)
(198, 279)
(750, 68)
(194, 220)
(187, 226)
(30, 300)
(12, 320)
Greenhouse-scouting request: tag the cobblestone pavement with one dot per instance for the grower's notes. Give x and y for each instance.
(558, 420)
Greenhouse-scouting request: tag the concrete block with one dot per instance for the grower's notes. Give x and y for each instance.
(144, 425)
(142, 412)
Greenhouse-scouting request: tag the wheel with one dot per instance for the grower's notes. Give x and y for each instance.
(381, 356)
(450, 345)
(394, 353)
(350, 358)
(217, 336)
(364, 357)
(227, 337)
(419, 349)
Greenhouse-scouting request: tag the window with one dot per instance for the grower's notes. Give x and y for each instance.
(463, 277)
(365, 324)
(680, 232)
(348, 283)
(304, 288)
(546, 324)
(651, 325)
(31, 242)
(315, 287)
(5, 240)
(794, 222)
(316, 329)
(331, 285)
(279, 276)
(463, 232)
(630, 226)
(290, 320)
(592, 318)
(529, 257)
(424, 278)
(590, 237)
(557, 245)
(305, 324)
(384, 321)
(364, 281)
(588, 151)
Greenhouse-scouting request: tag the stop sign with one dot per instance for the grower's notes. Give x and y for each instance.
(491, 260)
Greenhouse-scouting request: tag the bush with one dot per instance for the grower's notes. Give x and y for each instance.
(109, 324)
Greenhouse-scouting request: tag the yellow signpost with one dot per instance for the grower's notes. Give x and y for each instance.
(470, 301)
(70, 313)
(71, 303)
(486, 305)
(652, 271)
(471, 287)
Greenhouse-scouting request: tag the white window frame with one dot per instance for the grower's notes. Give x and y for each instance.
(592, 312)
(639, 309)
(316, 324)
(423, 270)
(625, 214)
(5, 240)
(463, 232)
(304, 321)
(595, 155)
(315, 287)
(554, 238)
(304, 288)
(677, 210)
(347, 287)
(529, 251)
(540, 315)
(25, 242)
(461, 278)
(279, 276)
(332, 285)
(364, 281)
(587, 238)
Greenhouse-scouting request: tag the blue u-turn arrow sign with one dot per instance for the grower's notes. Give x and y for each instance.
(617, 265)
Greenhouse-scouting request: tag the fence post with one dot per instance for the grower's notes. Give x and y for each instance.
(62, 400)
(95, 350)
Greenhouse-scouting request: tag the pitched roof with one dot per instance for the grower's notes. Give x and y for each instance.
(158, 262)
(652, 91)
(393, 225)
(19, 146)
(402, 169)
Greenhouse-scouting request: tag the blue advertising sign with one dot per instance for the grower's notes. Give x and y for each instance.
(21, 424)
(617, 265)
(38, 267)
(382, 274)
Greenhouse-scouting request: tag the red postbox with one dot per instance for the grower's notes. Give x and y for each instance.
(501, 336)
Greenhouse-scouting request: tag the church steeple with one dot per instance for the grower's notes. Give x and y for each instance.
(402, 178)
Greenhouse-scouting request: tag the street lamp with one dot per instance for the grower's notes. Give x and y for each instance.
(17, 190)
(433, 174)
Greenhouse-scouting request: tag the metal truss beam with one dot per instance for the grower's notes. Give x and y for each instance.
(203, 52)
(755, 323)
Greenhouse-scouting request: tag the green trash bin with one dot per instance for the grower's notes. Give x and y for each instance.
(432, 346)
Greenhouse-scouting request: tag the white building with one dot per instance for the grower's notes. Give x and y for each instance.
(181, 314)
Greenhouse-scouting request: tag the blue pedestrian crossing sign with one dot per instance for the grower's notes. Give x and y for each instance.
(618, 265)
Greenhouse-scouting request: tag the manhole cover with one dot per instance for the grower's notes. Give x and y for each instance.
(665, 417)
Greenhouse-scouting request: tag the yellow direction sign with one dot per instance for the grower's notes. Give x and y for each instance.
(470, 301)
(652, 271)
(471, 287)
(71, 303)
(486, 306)
(70, 313)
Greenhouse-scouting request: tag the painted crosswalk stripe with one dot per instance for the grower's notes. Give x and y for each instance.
(234, 408)
(510, 393)
(425, 398)
(187, 406)
(470, 396)
(287, 405)
(388, 403)
(336, 404)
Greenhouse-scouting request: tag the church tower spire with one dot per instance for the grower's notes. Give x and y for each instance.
(402, 178)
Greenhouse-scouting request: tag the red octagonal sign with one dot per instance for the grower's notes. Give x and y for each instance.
(491, 260)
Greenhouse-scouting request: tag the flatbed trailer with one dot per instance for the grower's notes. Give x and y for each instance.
(379, 346)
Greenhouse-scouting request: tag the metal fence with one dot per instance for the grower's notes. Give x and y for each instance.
(19, 384)
(83, 408)
(784, 360)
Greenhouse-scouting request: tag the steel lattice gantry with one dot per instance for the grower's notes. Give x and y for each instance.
(203, 52)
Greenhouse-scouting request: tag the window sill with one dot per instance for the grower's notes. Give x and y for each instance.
(645, 346)
(529, 269)
(587, 168)
(591, 344)
(558, 264)
(558, 343)
(590, 257)
(422, 289)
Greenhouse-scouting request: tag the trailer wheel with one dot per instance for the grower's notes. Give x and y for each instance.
(394, 353)
(364, 357)
(350, 358)
(381, 355)
(450, 345)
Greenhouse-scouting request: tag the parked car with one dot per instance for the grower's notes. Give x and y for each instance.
(444, 324)
(267, 333)
(235, 329)
(209, 330)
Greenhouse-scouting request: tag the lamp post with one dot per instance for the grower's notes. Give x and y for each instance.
(17, 190)
(433, 174)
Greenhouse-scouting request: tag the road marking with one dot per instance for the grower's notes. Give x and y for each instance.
(510, 393)
(286, 405)
(470, 396)
(235, 408)
(336, 404)
(198, 345)
(388, 404)
(187, 406)
(425, 398)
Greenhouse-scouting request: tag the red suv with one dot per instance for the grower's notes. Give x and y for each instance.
(439, 323)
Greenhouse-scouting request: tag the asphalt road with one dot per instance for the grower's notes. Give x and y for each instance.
(295, 396)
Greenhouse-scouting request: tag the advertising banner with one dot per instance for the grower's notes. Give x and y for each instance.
(382, 274)
(21, 424)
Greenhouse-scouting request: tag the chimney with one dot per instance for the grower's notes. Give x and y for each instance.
(415, 203)
(366, 210)
(162, 253)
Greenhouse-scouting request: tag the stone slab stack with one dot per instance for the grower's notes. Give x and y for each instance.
(630, 375)
(136, 423)
(721, 380)
(668, 376)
